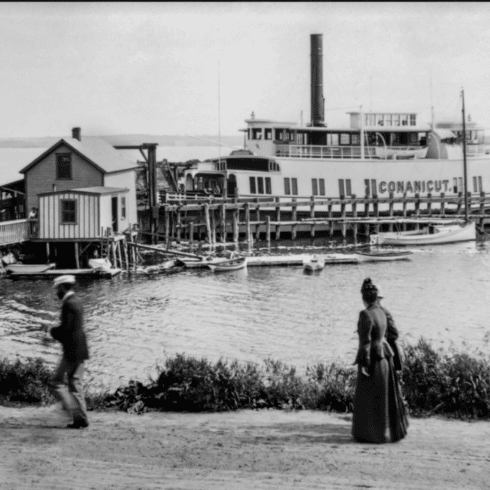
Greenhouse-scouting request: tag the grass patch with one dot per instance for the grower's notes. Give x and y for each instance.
(450, 383)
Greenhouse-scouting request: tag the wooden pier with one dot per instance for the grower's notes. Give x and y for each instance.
(215, 220)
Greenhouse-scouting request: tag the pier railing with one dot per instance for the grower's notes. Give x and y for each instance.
(311, 215)
(12, 232)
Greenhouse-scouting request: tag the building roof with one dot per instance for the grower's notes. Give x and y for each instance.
(97, 190)
(94, 150)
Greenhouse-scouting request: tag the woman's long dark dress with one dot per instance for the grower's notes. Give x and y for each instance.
(379, 411)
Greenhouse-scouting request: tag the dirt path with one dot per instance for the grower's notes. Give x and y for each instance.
(247, 449)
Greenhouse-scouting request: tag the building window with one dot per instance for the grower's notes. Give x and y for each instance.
(123, 208)
(287, 186)
(68, 211)
(268, 186)
(268, 134)
(332, 139)
(322, 187)
(294, 185)
(278, 134)
(355, 139)
(413, 120)
(260, 185)
(314, 186)
(256, 133)
(253, 188)
(404, 119)
(63, 166)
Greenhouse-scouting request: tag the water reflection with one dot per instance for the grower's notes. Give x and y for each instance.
(133, 322)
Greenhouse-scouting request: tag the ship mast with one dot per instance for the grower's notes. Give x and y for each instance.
(465, 172)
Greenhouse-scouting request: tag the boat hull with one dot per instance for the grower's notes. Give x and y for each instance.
(229, 265)
(28, 269)
(453, 235)
(382, 257)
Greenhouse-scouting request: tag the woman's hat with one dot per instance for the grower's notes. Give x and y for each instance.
(368, 285)
(66, 279)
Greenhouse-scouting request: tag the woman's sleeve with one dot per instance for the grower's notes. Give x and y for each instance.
(391, 330)
(364, 326)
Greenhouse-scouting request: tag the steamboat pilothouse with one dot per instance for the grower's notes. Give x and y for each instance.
(381, 153)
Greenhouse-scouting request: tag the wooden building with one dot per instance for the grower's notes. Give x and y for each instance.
(74, 163)
(85, 192)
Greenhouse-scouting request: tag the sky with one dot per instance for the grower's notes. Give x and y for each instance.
(202, 68)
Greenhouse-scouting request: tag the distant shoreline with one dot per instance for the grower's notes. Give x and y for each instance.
(128, 139)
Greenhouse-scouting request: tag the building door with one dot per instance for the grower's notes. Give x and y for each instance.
(114, 215)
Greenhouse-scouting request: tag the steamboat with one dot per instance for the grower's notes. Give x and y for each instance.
(381, 153)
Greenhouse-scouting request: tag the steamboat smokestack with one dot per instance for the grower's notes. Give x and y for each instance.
(317, 100)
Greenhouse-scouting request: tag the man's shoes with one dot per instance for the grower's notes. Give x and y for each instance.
(78, 424)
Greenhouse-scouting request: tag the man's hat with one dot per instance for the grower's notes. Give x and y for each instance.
(66, 279)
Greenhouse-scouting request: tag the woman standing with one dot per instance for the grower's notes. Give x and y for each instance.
(379, 412)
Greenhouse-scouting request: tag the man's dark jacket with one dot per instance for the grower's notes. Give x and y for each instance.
(70, 331)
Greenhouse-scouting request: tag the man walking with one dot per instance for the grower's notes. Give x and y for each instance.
(71, 335)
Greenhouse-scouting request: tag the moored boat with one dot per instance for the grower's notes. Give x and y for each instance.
(100, 264)
(289, 161)
(229, 265)
(430, 235)
(28, 269)
(382, 255)
(313, 263)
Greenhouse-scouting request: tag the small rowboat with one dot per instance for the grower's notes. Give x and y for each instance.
(198, 264)
(100, 265)
(382, 255)
(29, 269)
(313, 263)
(229, 265)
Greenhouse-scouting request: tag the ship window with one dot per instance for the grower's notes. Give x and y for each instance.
(68, 211)
(396, 119)
(460, 184)
(63, 166)
(344, 139)
(387, 119)
(322, 187)
(355, 139)
(379, 119)
(268, 134)
(314, 186)
(341, 188)
(366, 188)
(287, 186)
(332, 139)
(374, 187)
(475, 184)
(279, 134)
(348, 188)
(253, 189)
(480, 182)
(291, 136)
(404, 119)
(256, 133)
(294, 185)
(413, 120)
(260, 185)
(455, 185)
(268, 186)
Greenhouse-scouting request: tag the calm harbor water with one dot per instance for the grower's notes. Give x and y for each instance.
(134, 322)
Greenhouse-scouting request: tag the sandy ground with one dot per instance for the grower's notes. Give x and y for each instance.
(247, 449)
